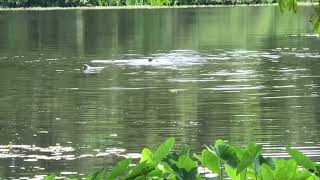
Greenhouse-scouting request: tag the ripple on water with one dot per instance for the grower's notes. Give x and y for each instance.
(19, 151)
(181, 60)
(177, 90)
(190, 80)
(236, 73)
(280, 97)
(234, 88)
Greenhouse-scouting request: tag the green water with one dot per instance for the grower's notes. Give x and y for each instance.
(242, 74)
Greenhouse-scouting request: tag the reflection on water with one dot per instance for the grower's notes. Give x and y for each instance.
(213, 75)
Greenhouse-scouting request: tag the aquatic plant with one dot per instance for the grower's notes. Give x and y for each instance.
(236, 163)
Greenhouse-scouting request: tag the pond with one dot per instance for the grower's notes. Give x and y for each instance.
(242, 74)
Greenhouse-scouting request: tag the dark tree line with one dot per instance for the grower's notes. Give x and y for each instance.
(74, 3)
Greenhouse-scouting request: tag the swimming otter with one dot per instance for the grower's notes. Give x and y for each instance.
(150, 59)
(86, 69)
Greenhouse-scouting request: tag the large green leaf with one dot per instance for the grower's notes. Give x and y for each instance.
(285, 169)
(316, 23)
(186, 163)
(266, 172)
(163, 149)
(302, 175)
(218, 142)
(313, 177)
(141, 169)
(240, 151)
(301, 159)
(155, 174)
(146, 155)
(231, 172)
(210, 161)
(119, 169)
(268, 161)
(226, 153)
(183, 174)
(251, 154)
(169, 172)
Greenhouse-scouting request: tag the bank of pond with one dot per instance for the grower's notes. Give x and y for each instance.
(218, 161)
(88, 3)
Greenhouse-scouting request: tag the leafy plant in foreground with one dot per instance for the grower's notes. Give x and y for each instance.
(237, 163)
(249, 163)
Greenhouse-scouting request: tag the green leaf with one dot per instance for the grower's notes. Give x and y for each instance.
(146, 155)
(218, 142)
(182, 174)
(285, 169)
(268, 161)
(155, 174)
(313, 177)
(198, 157)
(315, 20)
(50, 177)
(231, 172)
(119, 169)
(140, 169)
(250, 174)
(301, 159)
(100, 174)
(302, 175)
(185, 150)
(186, 163)
(163, 149)
(240, 151)
(210, 161)
(251, 154)
(266, 172)
(168, 171)
(226, 153)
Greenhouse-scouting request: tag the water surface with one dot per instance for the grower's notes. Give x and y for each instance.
(243, 74)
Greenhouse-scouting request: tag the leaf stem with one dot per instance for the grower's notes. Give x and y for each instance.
(221, 178)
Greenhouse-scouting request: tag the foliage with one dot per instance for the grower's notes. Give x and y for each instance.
(315, 18)
(73, 3)
(291, 5)
(223, 159)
